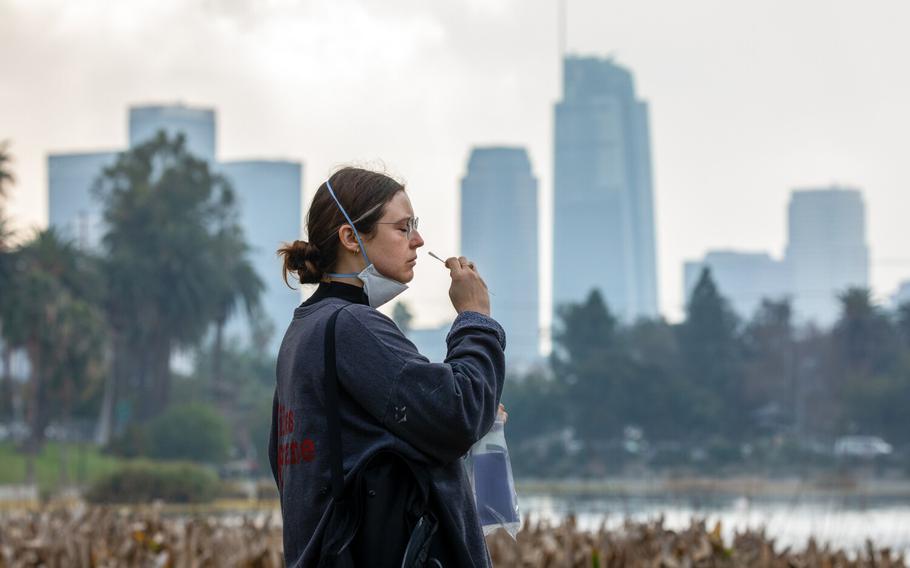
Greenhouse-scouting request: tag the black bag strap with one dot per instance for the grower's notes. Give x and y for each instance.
(332, 411)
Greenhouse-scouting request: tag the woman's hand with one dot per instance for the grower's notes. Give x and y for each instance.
(501, 414)
(468, 291)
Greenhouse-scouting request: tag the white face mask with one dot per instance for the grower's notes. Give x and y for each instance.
(379, 289)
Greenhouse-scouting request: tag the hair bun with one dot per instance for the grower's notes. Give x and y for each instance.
(304, 259)
(300, 253)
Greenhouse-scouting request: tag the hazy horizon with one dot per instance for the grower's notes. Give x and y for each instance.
(747, 103)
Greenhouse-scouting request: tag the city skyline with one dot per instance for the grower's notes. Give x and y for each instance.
(826, 254)
(747, 104)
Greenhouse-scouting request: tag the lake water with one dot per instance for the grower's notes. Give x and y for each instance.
(842, 522)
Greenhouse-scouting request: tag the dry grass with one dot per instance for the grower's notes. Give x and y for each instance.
(651, 545)
(142, 537)
(83, 537)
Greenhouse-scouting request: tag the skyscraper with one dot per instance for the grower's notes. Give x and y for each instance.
(603, 210)
(826, 249)
(499, 232)
(743, 278)
(902, 295)
(268, 197)
(196, 123)
(72, 209)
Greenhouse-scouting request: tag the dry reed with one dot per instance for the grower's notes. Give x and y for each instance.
(651, 545)
(83, 537)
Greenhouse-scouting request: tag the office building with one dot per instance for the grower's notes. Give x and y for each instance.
(902, 295)
(603, 209)
(826, 250)
(73, 210)
(268, 196)
(196, 124)
(499, 232)
(743, 278)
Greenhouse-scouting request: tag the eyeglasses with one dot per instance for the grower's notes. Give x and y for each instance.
(409, 227)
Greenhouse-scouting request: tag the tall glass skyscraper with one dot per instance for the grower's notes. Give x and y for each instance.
(196, 123)
(268, 196)
(603, 209)
(826, 249)
(499, 232)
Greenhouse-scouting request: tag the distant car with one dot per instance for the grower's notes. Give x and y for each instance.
(861, 447)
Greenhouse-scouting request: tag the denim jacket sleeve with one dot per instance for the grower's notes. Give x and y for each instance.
(439, 408)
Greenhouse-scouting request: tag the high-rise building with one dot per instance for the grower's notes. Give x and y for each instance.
(603, 210)
(269, 194)
(72, 209)
(826, 249)
(902, 295)
(197, 124)
(268, 197)
(499, 232)
(743, 278)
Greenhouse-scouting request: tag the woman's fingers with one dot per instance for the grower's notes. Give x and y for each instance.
(465, 263)
(460, 262)
(453, 264)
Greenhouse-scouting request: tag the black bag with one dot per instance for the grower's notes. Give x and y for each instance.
(383, 516)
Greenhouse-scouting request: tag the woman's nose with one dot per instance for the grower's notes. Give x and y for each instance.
(416, 239)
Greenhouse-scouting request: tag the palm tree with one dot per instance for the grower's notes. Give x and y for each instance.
(163, 211)
(6, 175)
(54, 315)
(6, 179)
(239, 284)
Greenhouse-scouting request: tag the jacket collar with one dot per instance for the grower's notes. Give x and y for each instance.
(347, 292)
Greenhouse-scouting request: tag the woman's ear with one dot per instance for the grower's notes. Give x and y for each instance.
(347, 238)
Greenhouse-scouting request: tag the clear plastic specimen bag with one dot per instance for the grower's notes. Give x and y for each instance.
(494, 488)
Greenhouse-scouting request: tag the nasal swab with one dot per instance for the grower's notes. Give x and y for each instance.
(442, 261)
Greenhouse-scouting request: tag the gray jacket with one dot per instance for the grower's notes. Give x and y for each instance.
(390, 397)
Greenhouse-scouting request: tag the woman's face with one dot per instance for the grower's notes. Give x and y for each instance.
(390, 249)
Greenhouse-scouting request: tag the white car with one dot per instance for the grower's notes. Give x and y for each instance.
(861, 447)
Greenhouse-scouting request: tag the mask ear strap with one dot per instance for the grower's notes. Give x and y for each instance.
(363, 249)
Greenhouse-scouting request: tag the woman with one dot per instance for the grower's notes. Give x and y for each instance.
(362, 250)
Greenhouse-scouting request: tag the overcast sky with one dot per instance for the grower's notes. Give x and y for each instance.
(748, 101)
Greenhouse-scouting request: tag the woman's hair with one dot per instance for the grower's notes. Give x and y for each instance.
(363, 194)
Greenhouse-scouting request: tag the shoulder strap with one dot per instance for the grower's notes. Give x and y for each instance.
(332, 414)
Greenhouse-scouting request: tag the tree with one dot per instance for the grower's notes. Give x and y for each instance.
(903, 324)
(865, 339)
(402, 317)
(874, 393)
(237, 284)
(6, 179)
(662, 403)
(769, 376)
(585, 328)
(711, 358)
(6, 174)
(209, 442)
(164, 210)
(52, 310)
(592, 368)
